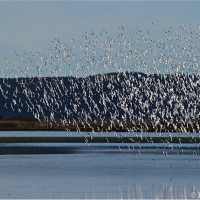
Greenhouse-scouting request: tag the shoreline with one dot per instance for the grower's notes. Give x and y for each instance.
(97, 125)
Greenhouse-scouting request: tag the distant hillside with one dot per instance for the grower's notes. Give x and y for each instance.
(129, 96)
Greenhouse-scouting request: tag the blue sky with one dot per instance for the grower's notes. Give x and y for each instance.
(31, 25)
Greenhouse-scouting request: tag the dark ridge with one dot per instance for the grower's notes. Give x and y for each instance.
(131, 96)
(20, 118)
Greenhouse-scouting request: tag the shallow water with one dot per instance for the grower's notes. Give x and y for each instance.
(100, 171)
(95, 134)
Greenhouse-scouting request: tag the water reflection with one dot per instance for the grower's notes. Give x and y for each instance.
(99, 171)
(165, 191)
(99, 175)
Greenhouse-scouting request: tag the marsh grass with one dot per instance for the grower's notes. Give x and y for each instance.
(97, 125)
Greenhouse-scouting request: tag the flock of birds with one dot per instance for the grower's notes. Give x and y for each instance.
(177, 52)
(96, 55)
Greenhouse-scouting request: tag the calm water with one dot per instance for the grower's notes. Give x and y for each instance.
(100, 171)
(95, 134)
